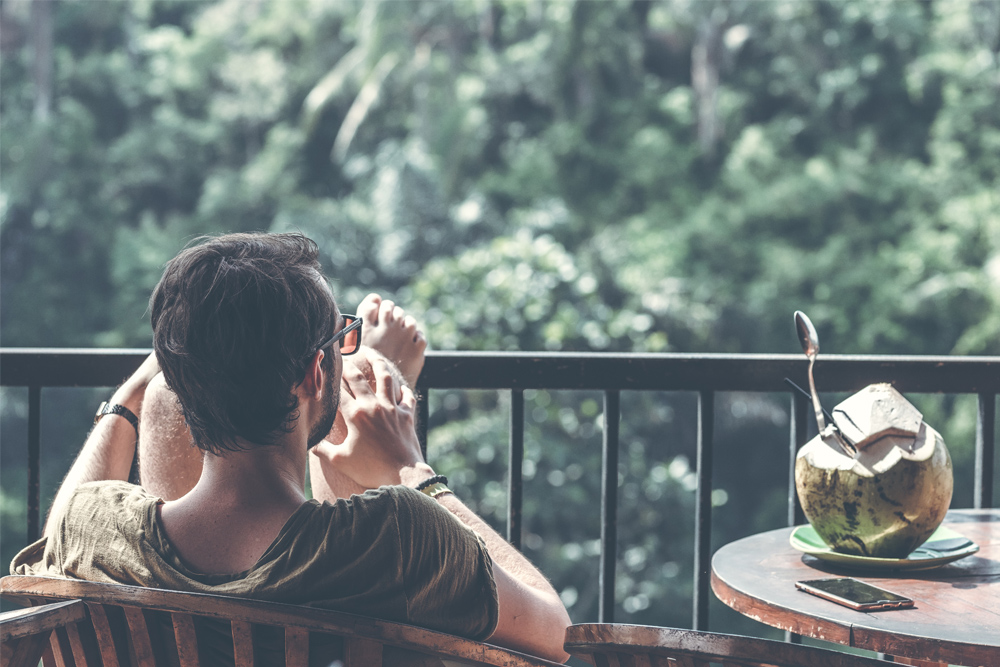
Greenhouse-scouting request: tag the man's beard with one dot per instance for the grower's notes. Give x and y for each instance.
(322, 427)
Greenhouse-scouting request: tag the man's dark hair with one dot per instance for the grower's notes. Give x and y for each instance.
(236, 320)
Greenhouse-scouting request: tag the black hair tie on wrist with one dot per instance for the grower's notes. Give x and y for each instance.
(432, 480)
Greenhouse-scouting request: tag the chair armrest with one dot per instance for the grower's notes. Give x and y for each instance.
(21, 623)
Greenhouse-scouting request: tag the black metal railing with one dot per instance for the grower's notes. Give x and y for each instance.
(706, 374)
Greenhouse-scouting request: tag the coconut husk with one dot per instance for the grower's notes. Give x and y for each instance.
(875, 412)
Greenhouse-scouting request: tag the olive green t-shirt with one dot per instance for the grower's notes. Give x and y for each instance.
(392, 553)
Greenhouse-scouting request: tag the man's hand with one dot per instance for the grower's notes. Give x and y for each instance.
(381, 446)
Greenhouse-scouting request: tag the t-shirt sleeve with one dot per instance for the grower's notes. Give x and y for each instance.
(96, 538)
(447, 571)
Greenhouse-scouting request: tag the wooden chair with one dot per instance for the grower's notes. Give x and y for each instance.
(129, 626)
(24, 633)
(613, 645)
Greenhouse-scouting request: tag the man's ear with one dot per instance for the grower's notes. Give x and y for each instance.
(314, 381)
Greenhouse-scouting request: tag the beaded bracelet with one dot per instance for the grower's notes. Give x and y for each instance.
(436, 479)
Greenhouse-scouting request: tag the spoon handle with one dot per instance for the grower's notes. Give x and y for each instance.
(826, 413)
(849, 449)
(820, 422)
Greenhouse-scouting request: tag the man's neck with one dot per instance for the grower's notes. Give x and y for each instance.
(258, 475)
(238, 507)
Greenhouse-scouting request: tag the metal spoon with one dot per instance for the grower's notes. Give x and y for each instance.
(810, 345)
(809, 340)
(826, 413)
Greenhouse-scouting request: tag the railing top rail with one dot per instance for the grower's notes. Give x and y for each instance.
(100, 367)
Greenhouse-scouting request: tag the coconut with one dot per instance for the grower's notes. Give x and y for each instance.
(886, 497)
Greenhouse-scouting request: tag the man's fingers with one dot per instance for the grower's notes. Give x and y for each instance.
(386, 311)
(385, 383)
(408, 398)
(369, 309)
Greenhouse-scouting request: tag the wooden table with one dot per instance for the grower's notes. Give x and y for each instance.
(956, 618)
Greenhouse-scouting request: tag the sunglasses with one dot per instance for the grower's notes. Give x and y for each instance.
(349, 337)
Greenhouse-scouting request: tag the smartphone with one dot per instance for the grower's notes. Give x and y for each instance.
(854, 594)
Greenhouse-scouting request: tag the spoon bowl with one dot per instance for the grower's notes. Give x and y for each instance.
(808, 337)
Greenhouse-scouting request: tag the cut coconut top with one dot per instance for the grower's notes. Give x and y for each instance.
(874, 412)
(881, 456)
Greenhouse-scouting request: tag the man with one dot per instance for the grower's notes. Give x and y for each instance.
(250, 340)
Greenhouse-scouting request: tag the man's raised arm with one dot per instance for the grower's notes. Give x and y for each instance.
(382, 448)
(532, 618)
(108, 451)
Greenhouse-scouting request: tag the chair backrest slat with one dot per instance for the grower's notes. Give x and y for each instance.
(296, 647)
(60, 653)
(243, 643)
(77, 648)
(606, 659)
(105, 638)
(186, 639)
(68, 649)
(664, 661)
(24, 651)
(642, 660)
(139, 633)
(359, 652)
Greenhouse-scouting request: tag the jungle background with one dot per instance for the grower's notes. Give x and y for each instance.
(625, 175)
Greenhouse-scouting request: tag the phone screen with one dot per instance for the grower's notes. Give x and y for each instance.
(854, 590)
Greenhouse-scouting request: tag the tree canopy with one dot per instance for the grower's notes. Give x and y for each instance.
(627, 175)
(693, 171)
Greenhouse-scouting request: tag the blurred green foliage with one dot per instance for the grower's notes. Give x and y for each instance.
(628, 175)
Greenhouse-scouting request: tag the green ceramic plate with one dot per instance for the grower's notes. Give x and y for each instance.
(943, 546)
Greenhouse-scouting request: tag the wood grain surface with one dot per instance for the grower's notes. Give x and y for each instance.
(24, 633)
(20, 623)
(955, 619)
(403, 644)
(640, 645)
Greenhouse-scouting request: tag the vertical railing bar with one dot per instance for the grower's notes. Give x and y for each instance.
(515, 458)
(703, 510)
(609, 507)
(797, 435)
(985, 451)
(423, 414)
(34, 462)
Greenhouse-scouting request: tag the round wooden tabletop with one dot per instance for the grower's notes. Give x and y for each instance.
(956, 618)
